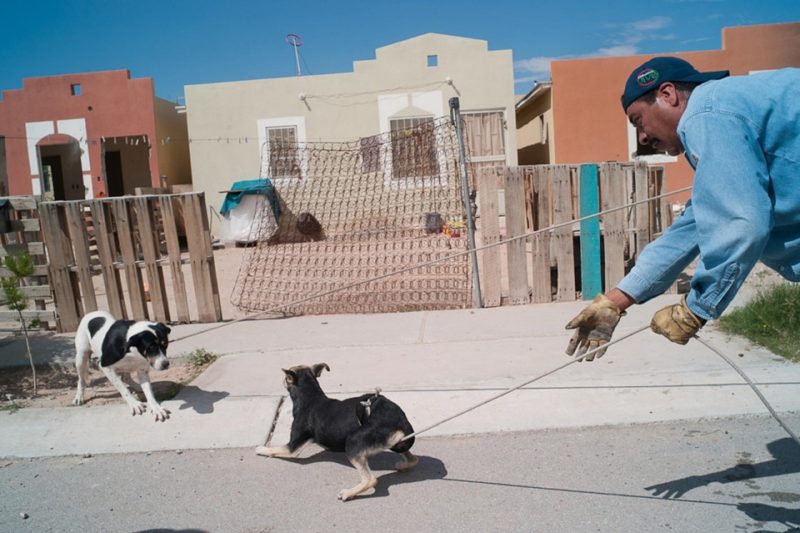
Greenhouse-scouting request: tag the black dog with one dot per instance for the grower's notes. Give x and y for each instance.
(360, 427)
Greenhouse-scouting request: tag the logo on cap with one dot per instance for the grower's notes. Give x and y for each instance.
(647, 77)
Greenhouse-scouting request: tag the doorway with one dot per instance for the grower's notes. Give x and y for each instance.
(113, 161)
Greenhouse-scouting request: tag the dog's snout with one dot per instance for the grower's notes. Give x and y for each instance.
(165, 365)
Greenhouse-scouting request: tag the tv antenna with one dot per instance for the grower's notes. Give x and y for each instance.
(295, 41)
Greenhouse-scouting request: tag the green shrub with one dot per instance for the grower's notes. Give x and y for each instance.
(772, 320)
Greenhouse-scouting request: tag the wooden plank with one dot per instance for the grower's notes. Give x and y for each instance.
(562, 244)
(642, 226)
(22, 203)
(491, 274)
(148, 238)
(591, 276)
(29, 314)
(197, 257)
(612, 184)
(518, 290)
(80, 243)
(133, 275)
(32, 292)
(209, 266)
(66, 298)
(106, 252)
(33, 248)
(174, 256)
(24, 224)
(38, 270)
(542, 290)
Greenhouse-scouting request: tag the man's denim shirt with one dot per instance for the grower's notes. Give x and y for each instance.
(742, 137)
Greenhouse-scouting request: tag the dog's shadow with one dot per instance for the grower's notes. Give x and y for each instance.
(428, 468)
(202, 401)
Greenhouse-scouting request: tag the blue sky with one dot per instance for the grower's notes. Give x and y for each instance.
(178, 42)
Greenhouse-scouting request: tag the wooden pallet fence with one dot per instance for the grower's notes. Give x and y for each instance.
(133, 239)
(22, 233)
(546, 267)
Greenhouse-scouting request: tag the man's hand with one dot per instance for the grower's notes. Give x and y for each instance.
(595, 325)
(677, 322)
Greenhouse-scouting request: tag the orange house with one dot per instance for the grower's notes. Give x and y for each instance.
(89, 135)
(587, 118)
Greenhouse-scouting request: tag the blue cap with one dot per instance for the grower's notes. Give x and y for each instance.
(651, 74)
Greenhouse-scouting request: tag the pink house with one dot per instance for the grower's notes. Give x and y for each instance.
(90, 135)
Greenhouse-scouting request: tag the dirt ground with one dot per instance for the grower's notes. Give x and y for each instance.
(56, 385)
(57, 381)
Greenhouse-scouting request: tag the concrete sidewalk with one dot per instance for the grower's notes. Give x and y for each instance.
(433, 364)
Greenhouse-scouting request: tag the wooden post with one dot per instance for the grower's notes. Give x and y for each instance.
(57, 240)
(542, 288)
(107, 254)
(518, 290)
(488, 178)
(612, 183)
(133, 275)
(148, 237)
(642, 232)
(201, 257)
(591, 277)
(174, 251)
(80, 241)
(562, 236)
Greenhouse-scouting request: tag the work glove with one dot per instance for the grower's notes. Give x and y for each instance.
(677, 322)
(595, 325)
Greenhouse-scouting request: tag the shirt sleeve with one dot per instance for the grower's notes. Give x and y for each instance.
(662, 261)
(732, 206)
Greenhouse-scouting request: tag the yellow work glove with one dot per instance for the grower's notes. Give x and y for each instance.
(595, 325)
(677, 322)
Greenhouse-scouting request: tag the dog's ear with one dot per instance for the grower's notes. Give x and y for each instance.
(291, 376)
(317, 369)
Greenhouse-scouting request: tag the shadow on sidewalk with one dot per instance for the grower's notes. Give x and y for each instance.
(202, 401)
(428, 468)
(786, 460)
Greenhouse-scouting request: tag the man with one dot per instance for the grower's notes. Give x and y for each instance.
(742, 137)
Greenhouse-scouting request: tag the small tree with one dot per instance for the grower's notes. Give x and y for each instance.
(21, 266)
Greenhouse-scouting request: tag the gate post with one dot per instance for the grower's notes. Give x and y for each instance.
(591, 277)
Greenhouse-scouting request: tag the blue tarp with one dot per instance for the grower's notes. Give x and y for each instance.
(258, 186)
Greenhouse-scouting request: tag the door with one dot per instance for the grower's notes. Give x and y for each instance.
(114, 173)
(53, 177)
(486, 140)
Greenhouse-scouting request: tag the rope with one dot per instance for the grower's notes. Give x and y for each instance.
(277, 308)
(537, 378)
(753, 387)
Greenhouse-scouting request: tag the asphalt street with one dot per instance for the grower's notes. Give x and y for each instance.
(725, 474)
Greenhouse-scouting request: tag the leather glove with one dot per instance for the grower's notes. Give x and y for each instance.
(595, 325)
(677, 322)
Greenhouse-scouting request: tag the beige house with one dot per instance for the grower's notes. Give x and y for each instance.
(233, 125)
(535, 125)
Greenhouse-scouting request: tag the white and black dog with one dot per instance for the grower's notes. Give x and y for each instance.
(122, 347)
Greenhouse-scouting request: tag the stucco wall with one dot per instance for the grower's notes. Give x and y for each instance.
(590, 123)
(173, 143)
(110, 104)
(535, 131)
(224, 118)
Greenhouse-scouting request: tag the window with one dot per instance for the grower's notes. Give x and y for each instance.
(370, 154)
(75, 89)
(433, 60)
(283, 153)
(413, 148)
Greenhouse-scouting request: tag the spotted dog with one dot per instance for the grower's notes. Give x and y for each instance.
(123, 347)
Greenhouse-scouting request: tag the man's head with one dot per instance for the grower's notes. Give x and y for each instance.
(655, 97)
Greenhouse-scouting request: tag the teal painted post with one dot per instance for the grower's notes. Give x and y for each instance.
(591, 276)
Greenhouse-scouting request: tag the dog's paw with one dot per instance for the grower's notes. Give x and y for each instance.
(78, 400)
(160, 414)
(265, 451)
(137, 408)
(345, 494)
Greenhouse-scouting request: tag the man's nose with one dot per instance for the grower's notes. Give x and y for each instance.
(643, 139)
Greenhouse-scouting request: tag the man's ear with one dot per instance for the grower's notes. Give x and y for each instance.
(669, 93)
(317, 369)
(291, 377)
